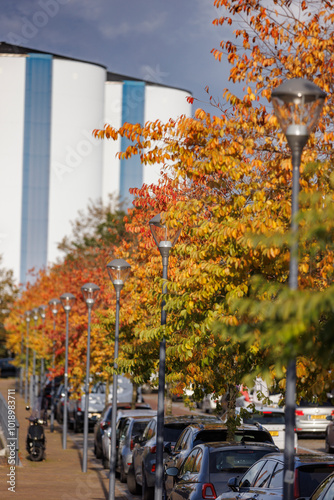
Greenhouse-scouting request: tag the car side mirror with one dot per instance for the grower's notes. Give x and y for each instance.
(233, 483)
(172, 471)
(27, 408)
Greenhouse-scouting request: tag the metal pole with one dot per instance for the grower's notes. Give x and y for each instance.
(52, 416)
(27, 365)
(33, 380)
(21, 368)
(85, 444)
(112, 475)
(161, 389)
(65, 385)
(296, 145)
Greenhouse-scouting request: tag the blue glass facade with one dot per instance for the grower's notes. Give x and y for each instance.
(131, 173)
(36, 163)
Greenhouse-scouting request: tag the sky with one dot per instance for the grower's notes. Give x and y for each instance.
(163, 41)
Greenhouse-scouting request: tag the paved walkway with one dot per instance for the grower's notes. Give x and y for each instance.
(59, 476)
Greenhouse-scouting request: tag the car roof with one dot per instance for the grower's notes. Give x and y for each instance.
(190, 419)
(261, 408)
(137, 413)
(216, 425)
(304, 459)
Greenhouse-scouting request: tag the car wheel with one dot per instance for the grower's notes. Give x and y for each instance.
(122, 475)
(105, 462)
(328, 448)
(146, 492)
(131, 482)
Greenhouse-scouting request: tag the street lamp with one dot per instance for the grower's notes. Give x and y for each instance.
(27, 315)
(118, 270)
(54, 304)
(42, 313)
(67, 301)
(165, 238)
(35, 316)
(90, 293)
(297, 104)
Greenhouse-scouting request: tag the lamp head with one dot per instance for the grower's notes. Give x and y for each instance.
(27, 315)
(54, 305)
(35, 314)
(164, 236)
(42, 311)
(297, 104)
(67, 300)
(90, 292)
(118, 270)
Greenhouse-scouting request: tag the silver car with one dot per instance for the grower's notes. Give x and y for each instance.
(128, 431)
(311, 416)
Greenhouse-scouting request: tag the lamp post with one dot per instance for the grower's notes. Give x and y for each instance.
(33, 398)
(54, 304)
(297, 104)
(90, 293)
(118, 270)
(28, 318)
(165, 238)
(67, 301)
(42, 313)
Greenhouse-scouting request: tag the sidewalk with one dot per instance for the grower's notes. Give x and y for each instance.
(59, 476)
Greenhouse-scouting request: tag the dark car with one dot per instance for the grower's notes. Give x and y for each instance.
(325, 490)
(264, 480)
(204, 433)
(7, 369)
(329, 437)
(141, 472)
(104, 422)
(208, 467)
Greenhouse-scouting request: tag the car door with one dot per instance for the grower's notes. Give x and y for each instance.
(266, 483)
(140, 449)
(188, 479)
(177, 457)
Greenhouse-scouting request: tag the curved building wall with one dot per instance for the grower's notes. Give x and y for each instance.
(12, 93)
(76, 157)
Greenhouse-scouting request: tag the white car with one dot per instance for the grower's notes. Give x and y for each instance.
(271, 418)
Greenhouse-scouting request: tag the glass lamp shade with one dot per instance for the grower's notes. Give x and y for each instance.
(297, 104)
(90, 292)
(35, 314)
(118, 270)
(67, 300)
(162, 233)
(54, 304)
(27, 315)
(42, 311)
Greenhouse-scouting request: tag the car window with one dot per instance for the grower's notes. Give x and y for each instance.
(198, 461)
(234, 460)
(180, 441)
(265, 418)
(314, 403)
(263, 478)
(189, 463)
(277, 477)
(138, 428)
(172, 431)
(329, 495)
(150, 431)
(250, 476)
(310, 476)
(124, 431)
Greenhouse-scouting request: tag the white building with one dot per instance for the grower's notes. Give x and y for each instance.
(51, 165)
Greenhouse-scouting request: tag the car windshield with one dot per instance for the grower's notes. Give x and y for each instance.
(139, 427)
(236, 460)
(310, 476)
(172, 431)
(253, 436)
(315, 403)
(264, 418)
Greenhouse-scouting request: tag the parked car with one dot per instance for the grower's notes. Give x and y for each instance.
(325, 490)
(129, 429)
(264, 480)
(273, 419)
(7, 369)
(206, 433)
(329, 438)
(311, 416)
(76, 408)
(208, 467)
(141, 472)
(104, 422)
(121, 418)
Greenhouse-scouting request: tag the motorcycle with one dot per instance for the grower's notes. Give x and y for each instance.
(35, 443)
